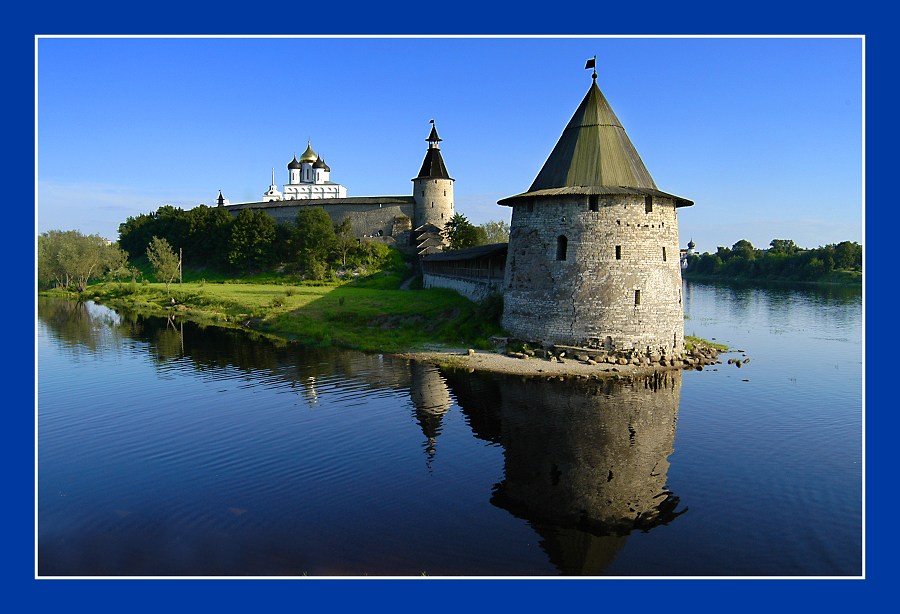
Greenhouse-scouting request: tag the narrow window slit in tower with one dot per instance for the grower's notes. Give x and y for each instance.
(562, 244)
(664, 254)
(648, 204)
(618, 252)
(637, 298)
(594, 202)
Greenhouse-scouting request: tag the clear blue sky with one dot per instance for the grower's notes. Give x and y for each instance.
(764, 135)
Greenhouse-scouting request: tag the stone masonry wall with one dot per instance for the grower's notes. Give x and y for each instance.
(434, 200)
(366, 220)
(472, 289)
(589, 298)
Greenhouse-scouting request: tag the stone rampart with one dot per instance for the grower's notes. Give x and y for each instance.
(473, 289)
(370, 218)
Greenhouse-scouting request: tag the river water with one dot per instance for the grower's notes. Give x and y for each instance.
(167, 449)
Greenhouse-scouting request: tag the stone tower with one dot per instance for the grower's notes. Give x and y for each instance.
(593, 249)
(433, 188)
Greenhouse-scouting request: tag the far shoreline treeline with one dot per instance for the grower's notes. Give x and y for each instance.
(836, 263)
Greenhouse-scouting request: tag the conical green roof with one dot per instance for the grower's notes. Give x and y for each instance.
(594, 151)
(593, 156)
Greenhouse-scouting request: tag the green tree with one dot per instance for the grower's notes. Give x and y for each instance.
(85, 258)
(69, 257)
(172, 224)
(49, 268)
(252, 240)
(284, 248)
(208, 236)
(378, 255)
(785, 247)
(783, 260)
(496, 231)
(460, 233)
(705, 264)
(848, 255)
(345, 241)
(135, 233)
(165, 262)
(117, 263)
(813, 268)
(744, 249)
(314, 239)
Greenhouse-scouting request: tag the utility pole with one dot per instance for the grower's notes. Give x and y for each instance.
(180, 271)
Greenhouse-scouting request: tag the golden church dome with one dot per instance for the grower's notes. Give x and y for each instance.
(309, 155)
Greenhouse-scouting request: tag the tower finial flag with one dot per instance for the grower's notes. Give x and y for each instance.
(592, 63)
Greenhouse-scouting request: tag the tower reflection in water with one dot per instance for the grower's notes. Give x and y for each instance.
(431, 400)
(586, 462)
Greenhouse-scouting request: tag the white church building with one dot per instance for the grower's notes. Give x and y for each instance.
(308, 178)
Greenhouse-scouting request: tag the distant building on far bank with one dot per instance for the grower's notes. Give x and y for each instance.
(414, 221)
(684, 253)
(308, 178)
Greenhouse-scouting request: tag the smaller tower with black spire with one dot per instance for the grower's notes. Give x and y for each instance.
(433, 188)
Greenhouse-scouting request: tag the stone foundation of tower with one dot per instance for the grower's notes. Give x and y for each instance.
(595, 271)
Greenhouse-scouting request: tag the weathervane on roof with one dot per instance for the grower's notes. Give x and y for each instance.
(592, 63)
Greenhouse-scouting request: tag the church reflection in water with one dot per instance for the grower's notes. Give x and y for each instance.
(586, 461)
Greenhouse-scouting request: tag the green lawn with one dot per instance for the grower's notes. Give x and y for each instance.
(371, 315)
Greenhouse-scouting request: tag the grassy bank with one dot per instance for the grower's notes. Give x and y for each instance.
(369, 315)
(691, 342)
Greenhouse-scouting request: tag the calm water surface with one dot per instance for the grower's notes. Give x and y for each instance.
(167, 449)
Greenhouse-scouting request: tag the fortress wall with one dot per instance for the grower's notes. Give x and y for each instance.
(365, 219)
(588, 299)
(473, 289)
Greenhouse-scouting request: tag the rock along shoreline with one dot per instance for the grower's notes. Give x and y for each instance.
(564, 361)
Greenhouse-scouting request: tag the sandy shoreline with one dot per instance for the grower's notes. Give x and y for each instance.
(494, 362)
